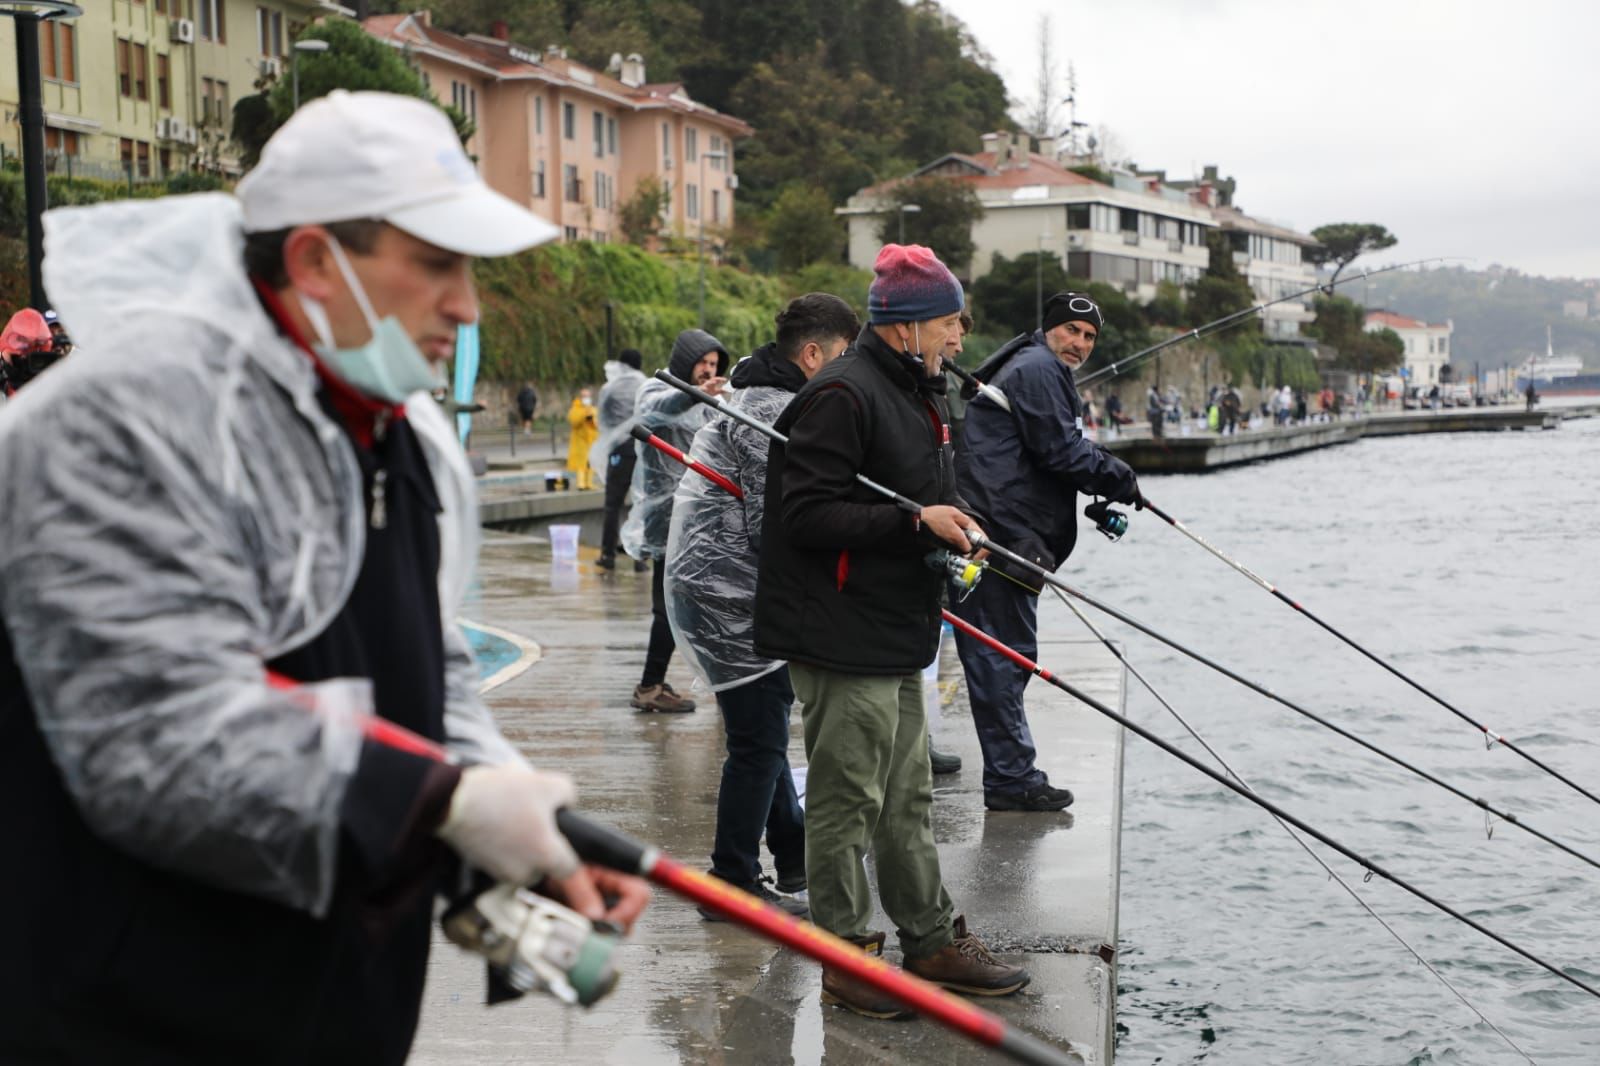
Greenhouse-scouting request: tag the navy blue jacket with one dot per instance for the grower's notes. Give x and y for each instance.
(1023, 470)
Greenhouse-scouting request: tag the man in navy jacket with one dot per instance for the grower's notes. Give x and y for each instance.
(1023, 470)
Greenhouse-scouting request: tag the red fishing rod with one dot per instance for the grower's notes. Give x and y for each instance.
(604, 846)
(1491, 737)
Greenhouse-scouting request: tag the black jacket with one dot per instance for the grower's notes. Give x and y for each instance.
(842, 583)
(1023, 470)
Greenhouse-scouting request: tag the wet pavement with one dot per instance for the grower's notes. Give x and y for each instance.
(1040, 888)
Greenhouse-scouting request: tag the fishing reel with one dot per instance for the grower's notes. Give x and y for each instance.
(963, 573)
(534, 943)
(1110, 522)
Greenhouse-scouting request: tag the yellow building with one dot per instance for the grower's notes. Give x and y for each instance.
(147, 87)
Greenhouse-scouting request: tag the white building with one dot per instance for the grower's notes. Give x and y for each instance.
(1427, 343)
(1132, 234)
(1272, 260)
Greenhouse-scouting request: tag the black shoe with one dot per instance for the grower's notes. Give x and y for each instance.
(641, 565)
(1040, 797)
(794, 885)
(943, 762)
(788, 904)
(607, 561)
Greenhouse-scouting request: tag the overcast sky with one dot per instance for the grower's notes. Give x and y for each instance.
(1468, 128)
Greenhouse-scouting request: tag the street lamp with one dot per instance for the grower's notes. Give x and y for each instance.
(310, 44)
(27, 15)
(906, 209)
(701, 199)
(1038, 280)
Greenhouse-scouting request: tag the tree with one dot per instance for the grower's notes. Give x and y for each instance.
(944, 223)
(1341, 242)
(1005, 299)
(1221, 290)
(1341, 324)
(1042, 109)
(355, 60)
(802, 227)
(641, 212)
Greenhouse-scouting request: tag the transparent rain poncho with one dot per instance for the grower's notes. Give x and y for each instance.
(714, 545)
(176, 510)
(615, 402)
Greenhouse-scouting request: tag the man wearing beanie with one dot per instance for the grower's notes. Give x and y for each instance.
(843, 593)
(1023, 470)
(613, 453)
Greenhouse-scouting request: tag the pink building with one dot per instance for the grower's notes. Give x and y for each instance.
(570, 142)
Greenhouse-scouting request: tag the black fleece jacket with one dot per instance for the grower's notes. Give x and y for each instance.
(842, 582)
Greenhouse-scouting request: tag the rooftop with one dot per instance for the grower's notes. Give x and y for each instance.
(1397, 321)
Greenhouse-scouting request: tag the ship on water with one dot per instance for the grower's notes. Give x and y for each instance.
(1557, 375)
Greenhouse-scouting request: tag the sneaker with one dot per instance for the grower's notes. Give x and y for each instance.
(793, 885)
(787, 904)
(1041, 797)
(607, 561)
(966, 965)
(660, 698)
(943, 761)
(853, 994)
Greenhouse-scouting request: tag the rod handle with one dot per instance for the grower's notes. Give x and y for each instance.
(602, 845)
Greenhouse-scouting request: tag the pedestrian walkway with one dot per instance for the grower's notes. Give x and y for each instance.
(1041, 888)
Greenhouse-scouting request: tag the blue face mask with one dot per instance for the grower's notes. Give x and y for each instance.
(388, 366)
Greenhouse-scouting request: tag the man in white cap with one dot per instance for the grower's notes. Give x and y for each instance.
(236, 530)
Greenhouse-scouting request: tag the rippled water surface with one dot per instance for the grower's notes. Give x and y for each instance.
(1470, 562)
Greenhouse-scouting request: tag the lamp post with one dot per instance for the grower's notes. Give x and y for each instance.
(1038, 281)
(701, 199)
(906, 209)
(310, 44)
(27, 15)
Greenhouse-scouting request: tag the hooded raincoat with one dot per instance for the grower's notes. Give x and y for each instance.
(178, 510)
(675, 418)
(715, 541)
(581, 419)
(615, 404)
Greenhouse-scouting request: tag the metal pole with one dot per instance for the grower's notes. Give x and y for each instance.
(31, 108)
(294, 75)
(700, 211)
(902, 214)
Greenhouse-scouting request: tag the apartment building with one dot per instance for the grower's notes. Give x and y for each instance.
(1427, 343)
(145, 88)
(1127, 234)
(573, 143)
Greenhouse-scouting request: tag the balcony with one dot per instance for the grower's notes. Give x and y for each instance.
(1130, 237)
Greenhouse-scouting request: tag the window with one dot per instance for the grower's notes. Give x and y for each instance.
(127, 154)
(1077, 216)
(143, 154)
(538, 180)
(1130, 221)
(691, 201)
(464, 98)
(269, 31)
(166, 162)
(569, 121)
(538, 115)
(611, 136)
(161, 7)
(58, 52)
(691, 145)
(141, 72)
(224, 112)
(164, 82)
(208, 91)
(212, 21)
(125, 70)
(571, 187)
(666, 200)
(716, 205)
(570, 232)
(599, 135)
(716, 149)
(666, 146)
(64, 142)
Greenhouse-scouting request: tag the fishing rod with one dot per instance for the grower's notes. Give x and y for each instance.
(1296, 837)
(1491, 737)
(1201, 331)
(1271, 808)
(1060, 586)
(644, 436)
(979, 540)
(604, 846)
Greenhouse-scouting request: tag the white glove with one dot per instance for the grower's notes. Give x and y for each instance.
(502, 820)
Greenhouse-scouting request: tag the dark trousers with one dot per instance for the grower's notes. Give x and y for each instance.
(757, 793)
(995, 684)
(1155, 423)
(659, 653)
(619, 475)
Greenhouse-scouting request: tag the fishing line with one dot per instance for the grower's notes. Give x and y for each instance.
(1150, 687)
(1491, 737)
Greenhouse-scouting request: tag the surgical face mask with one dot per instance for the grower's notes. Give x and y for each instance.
(388, 366)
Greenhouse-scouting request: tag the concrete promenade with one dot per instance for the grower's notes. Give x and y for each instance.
(1042, 888)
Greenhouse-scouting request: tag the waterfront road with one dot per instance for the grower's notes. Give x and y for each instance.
(1041, 887)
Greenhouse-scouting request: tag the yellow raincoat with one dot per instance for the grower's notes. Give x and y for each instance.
(583, 419)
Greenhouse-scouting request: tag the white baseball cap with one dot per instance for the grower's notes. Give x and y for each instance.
(347, 156)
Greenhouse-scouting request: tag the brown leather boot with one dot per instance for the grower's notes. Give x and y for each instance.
(853, 994)
(965, 965)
